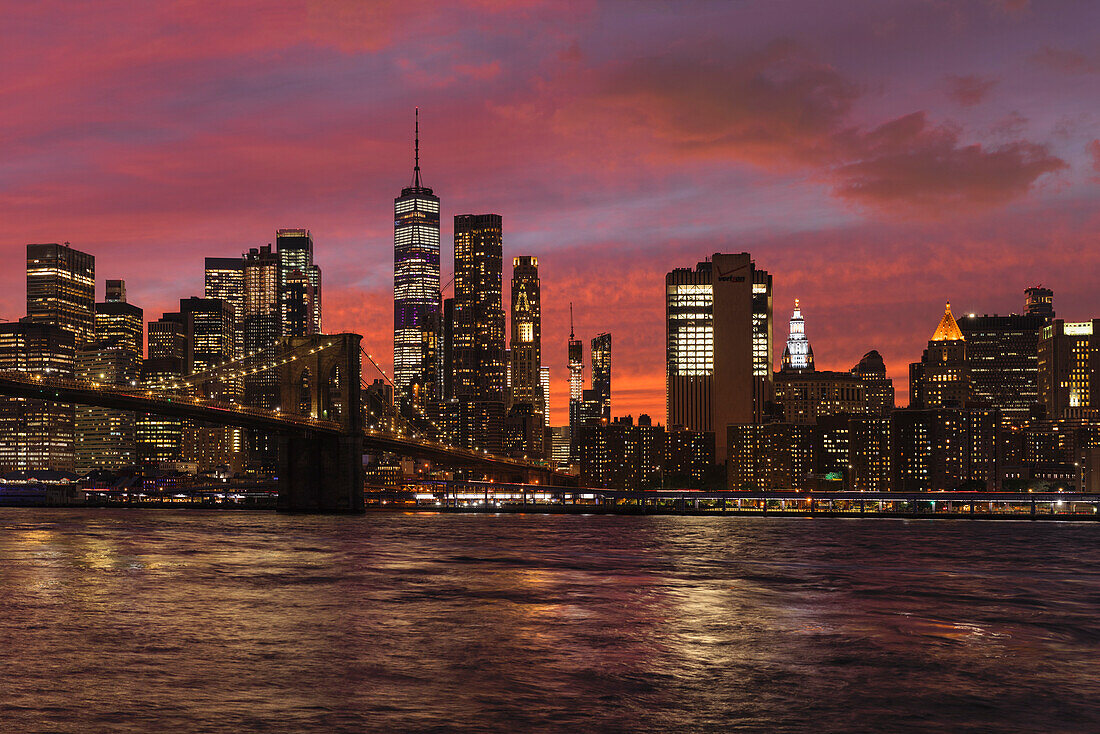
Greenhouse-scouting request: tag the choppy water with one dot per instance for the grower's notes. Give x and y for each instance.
(194, 621)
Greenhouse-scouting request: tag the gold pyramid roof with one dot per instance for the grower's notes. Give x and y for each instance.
(948, 330)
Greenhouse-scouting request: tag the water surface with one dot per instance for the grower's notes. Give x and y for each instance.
(155, 620)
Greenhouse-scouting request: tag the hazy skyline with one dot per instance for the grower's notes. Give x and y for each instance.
(878, 158)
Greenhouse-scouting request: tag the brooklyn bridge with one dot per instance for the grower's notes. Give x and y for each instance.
(319, 424)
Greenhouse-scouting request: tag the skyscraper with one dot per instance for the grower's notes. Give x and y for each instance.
(160, 439)
(601, 375)
(260, 322)
(526, 341)
(576, 385)
(118, 321)
(1002, 356)
(718, 345)
(799, 355)
(942, 378)
(544, 382)
(1069, 369)
(416, 317)
(224, 279)
(478, 338)
(61, 289)
(299, 283)
(36, 434)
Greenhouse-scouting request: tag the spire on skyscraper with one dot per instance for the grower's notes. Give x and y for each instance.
(416, 151)
(798, 356)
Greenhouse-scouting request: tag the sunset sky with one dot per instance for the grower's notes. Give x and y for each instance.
(878, 157)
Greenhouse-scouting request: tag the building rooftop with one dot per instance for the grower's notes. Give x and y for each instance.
(948, 330)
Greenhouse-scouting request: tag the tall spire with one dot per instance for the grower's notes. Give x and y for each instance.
(571, 336)
(416, 149)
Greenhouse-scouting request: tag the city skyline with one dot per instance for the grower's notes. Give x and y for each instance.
(886, 263)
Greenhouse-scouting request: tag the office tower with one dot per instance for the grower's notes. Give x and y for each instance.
(938, 449)
(869, 454)
(1039, 302)
(36, 434)
(1002, 355)
(61, 289)
(601, 375)
(544, 383)
(1069, 369)
(260, 322)
(808, 395)
(561, 444)
(478, 338)
(798, 355)
(416, 318)
(576, 378)
(526, 337)
(299, 283)
(447, 347)
(159, 439)
(120, 322)
(224, 279)
(878, 388)
(718, 342)
(941, 379)
(106, 438)
(209, 325)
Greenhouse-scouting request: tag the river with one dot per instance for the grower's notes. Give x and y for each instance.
(158, 620)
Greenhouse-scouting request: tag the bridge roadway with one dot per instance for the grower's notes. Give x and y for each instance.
(26, 385)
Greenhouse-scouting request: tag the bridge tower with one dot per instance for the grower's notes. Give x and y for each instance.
(319, 472)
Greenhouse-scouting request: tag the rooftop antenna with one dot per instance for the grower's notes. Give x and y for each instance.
(416, 167)
(571, 337)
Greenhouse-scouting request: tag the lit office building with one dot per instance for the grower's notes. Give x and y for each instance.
(798, 355)
(877, 387)
(526, 338)
(601, 375)
(36, 434)
(260, 324)
(159, 438)
(808, 395)
(224, 279)
(209, 325)
(120, 322)
(1069, 369)
(478, 329)
(544, 384)
(299, 283)
(1002, 356)
(576, 382)
(942, 378)
(106, 438)
(61, 289)
(718, 345)
(416, 317)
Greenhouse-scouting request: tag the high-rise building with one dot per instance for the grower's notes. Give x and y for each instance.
(36, 434)
(159, 438)
(224, 279)
(808, 395)
(120, 322)
(719, 345)
(478, 336)
(576, 381)
(942, 378)
(601, 375)
(526, 341)
(1069, 369)
(261, 321)
(879, 388)
(299, 283)
(544, 383)
(106, 438)
(416, 317)
(61, 289)
(1002, 356)
(798, 355)
(209, 324)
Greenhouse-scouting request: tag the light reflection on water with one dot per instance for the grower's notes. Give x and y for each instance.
(152, 620)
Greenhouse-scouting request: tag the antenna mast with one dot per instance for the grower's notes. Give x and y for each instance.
(570, 320)
(416, 148)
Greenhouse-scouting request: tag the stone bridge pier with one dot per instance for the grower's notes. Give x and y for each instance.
(320, 471)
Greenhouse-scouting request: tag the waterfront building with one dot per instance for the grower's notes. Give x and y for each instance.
(869, 454)
(601, 376)
(299, 283)
(478, 328)
(798, 356)
(689, 459)
(523, 432)
(159, 438)
(718, 320)
(936, 449)
(1069, 369)
(544, 384)
(36, 434)
(878, 389)
(526, 336)
(560, 446)
(416, 292)
(61, 289)
(765, 456)
(942, 378)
